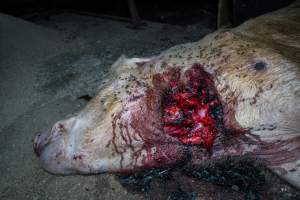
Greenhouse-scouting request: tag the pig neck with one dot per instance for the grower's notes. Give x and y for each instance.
(232, 139)
(236, 140)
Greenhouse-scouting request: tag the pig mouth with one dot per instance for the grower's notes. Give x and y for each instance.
(192, 111)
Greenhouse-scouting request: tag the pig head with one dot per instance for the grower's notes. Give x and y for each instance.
(233, 93)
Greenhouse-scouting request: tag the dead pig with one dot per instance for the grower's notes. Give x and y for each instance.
(233, 93)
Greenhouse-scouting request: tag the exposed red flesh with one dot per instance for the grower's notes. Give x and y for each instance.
(188, 107)
(181, 106)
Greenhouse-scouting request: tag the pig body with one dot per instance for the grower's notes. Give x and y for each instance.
(233, 93)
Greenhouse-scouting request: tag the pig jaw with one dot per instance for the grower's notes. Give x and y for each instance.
(76, 145)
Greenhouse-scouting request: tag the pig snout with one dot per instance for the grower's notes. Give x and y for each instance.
(41, 140)
(55, 148)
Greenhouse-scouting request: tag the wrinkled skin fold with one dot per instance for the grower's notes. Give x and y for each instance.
(150, 114)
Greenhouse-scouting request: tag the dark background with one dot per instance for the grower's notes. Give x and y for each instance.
(166, 11)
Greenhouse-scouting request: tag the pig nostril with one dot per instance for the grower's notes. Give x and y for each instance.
(36, 149)
(37, 144)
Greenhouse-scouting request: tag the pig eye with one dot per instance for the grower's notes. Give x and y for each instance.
(259, 65)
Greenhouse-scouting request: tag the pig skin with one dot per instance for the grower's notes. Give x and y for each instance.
(255, 70)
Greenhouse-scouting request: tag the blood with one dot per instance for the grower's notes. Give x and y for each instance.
(182, 108)
(191, 108)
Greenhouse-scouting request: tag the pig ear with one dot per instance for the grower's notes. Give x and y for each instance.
(124, 63)
(135, 61)
(118, 63)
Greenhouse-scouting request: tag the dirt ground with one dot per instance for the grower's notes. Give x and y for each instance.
(45, 67)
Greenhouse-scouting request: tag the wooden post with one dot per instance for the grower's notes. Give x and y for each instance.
(135, 17)
(223, 13)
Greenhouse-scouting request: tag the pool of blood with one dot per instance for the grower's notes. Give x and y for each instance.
(192, 109)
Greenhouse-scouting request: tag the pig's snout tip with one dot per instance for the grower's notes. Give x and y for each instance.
(39, 142)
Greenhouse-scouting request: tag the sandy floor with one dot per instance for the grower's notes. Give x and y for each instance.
(44, 68)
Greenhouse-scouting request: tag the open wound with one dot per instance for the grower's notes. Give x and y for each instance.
(192, 110)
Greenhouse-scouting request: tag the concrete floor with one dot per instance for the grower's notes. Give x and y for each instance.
(44, 67)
